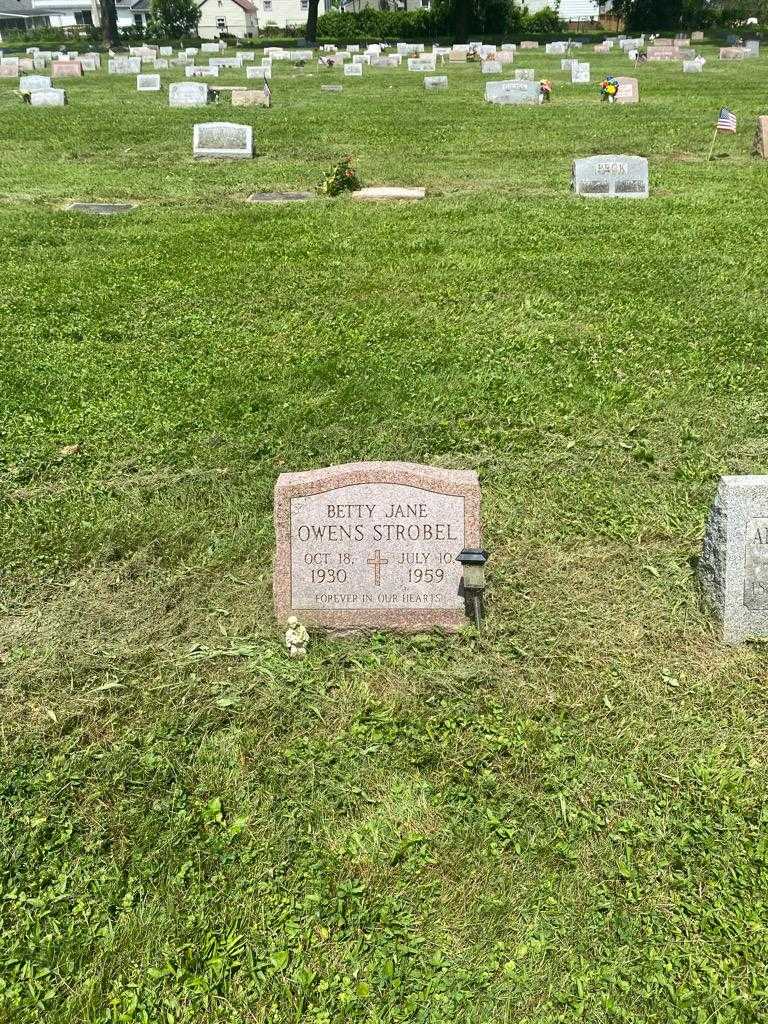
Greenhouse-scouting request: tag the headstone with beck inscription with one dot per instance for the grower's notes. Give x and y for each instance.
(603, 177)
(373, 545)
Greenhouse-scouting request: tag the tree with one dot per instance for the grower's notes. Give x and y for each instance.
(108, 18)
(173, 19)
(311, 32)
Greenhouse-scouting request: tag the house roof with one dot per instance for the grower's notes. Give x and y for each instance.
(246, 5)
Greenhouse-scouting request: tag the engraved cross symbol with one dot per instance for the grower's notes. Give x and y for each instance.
(377, 561)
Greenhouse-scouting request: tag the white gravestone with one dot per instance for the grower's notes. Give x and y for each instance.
(491, 67)
(223, 139)
(436, 82)
(353, 70)
(48, 98)
(147, 83)
(199, 71)
(187, 94)
(263, 74)
(34, 83)
(580, 74)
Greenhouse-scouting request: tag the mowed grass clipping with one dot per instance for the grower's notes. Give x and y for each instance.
(559, 819)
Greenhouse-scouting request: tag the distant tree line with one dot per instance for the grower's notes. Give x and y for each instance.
(651, 15)
(459, 19)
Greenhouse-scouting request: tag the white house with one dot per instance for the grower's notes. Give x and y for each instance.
(238, 18)
(569, 10)
(244, 18)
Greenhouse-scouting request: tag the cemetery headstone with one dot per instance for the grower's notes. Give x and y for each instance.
(697, 37)
(374, 545)
(34, 83)
(629, 91)
(280, 197)
(692, 67)
(353, 70)
(421, 64)
(251, 97)
(733, 568)
(491, 67)
(733, 53)
(760, 144)
(124, 66)
(331, 88)
(611, 176)
(147, 83)
(580, 73)
(528, 44)
(377, 192)
(254, 71)
(66, 69)
(187, 94)
(436, 82)
(223, 139)
(518, 91)
(524, 74)
(201, 71)
(48, 98)
(101, 209)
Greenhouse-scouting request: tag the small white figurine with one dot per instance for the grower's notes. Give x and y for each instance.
(296, 638)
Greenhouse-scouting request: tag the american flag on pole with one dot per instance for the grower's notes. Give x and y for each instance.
(726, 120)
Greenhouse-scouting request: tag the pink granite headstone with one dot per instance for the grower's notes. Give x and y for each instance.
(373, 545)
(66, 69)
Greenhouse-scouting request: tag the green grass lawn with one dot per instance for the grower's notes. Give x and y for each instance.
(561, 818)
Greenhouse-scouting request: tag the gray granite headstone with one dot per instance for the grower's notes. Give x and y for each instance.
(514, 92)
(223, 139)
(436, 82)
(733, 568)
(613, 176)
(279, 197)
(524, 75)
(101, 209)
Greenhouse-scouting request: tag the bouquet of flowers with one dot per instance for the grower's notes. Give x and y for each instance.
(342, 177)
(608, 88)
(545, 90)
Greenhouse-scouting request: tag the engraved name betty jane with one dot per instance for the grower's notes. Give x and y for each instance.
(374, 545)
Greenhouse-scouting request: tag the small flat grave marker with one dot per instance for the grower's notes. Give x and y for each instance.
(389, 192)
(279, 197)
(331, 88)
(101, 209)
(374, 545)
